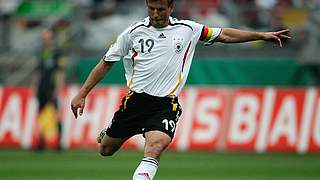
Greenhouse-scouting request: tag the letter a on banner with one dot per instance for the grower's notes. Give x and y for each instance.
(11, 118)
(285, 122)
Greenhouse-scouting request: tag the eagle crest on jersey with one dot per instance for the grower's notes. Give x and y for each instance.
(178, 44)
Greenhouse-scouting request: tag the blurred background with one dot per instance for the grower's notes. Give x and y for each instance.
(85, 29)
(250, 110)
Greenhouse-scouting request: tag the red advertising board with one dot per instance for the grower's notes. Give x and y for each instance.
(233, 119)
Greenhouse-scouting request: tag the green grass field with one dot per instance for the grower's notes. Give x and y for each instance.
(87, 164)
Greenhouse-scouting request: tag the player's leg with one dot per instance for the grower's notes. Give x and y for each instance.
(155, 143)
(158, 131)
(120, 128)
(108, 145)
(42, 100)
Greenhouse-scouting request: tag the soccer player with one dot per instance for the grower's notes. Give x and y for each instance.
(157, 54)
(48, 80)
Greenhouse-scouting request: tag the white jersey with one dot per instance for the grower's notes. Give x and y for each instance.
(157, 60)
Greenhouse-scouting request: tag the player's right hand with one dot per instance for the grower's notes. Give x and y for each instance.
(77, 103)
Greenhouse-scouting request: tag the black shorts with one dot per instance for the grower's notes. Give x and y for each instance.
(140, 113)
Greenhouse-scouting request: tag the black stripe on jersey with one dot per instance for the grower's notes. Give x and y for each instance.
(183, 24)
(201, 37)
(149, 25)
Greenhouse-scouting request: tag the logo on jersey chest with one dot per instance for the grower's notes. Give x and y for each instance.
(178, 44)
(162, 36)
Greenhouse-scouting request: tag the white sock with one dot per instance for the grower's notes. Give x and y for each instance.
(146, 170)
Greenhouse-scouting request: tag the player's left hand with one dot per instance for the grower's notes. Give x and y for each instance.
(277, 36)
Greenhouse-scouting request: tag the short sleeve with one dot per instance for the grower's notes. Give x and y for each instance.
(119, 49)
(195, 27)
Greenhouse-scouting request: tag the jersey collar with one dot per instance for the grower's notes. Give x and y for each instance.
(147, 22)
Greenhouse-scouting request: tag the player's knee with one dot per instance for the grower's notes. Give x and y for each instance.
(156, 147)
(106, 151)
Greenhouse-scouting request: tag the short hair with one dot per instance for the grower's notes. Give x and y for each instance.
(170, 2)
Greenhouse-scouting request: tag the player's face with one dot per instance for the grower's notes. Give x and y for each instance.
(159, 12)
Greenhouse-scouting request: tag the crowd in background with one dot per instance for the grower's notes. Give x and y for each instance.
(89, 27)
(101, 20)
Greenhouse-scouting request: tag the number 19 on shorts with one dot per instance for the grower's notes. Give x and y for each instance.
(169, 124)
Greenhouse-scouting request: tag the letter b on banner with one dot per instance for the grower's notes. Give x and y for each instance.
(243, 120)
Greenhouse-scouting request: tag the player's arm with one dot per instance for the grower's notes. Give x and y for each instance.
(115, 53)
(97, 73)
(231, 35)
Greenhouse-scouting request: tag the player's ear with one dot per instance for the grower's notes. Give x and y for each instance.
(171, 8)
